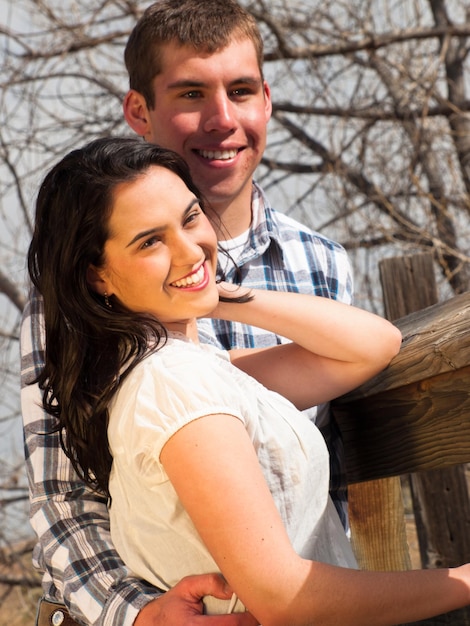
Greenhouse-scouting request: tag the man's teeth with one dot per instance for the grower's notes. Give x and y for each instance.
(193, 279)
(220, 155)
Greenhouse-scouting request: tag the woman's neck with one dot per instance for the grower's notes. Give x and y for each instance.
(187, 328)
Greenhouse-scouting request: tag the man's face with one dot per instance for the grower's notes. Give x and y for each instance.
(213, 110)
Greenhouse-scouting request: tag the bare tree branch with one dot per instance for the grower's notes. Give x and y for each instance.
(12, 291)
(369, 42)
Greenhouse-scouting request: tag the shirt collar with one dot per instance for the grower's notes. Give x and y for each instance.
(264, 226)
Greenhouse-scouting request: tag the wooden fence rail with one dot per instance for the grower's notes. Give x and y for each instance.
(416, 414)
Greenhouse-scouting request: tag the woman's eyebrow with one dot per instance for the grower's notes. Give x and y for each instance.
(159, 229)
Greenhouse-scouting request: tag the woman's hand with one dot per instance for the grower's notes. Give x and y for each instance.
(229, 291)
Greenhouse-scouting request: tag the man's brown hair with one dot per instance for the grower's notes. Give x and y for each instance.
(206, 25)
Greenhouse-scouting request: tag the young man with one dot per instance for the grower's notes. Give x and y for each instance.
(196, 86)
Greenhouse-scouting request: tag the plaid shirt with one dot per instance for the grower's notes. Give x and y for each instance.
(74, 550)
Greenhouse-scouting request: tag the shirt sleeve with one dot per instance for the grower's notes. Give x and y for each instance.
(178, 384)
(74, 550)
(342, 275)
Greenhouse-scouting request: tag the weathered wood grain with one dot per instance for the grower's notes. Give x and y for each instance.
(415, 415)
(421, 426)
(435, 340)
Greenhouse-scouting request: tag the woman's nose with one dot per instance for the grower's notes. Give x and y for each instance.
(186, 251)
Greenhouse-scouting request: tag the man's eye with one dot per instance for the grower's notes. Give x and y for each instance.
(241, 91)
(191, 95)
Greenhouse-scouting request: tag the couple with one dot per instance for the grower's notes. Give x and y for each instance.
(204, 454)
(196, 87)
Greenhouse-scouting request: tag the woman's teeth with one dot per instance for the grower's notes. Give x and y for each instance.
(193, 279)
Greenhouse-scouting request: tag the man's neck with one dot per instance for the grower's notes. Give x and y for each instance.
(232, 218)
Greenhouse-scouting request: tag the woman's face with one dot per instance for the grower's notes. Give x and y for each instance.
(161, 255)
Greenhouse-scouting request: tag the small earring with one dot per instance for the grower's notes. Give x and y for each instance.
(106, 300)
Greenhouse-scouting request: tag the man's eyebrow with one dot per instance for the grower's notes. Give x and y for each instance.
(156, 230)
(187, 83)
(184, 83)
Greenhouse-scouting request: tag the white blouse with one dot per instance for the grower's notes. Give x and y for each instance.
(183, 382)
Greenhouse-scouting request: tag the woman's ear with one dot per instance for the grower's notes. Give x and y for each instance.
(96, 282)
(136, 113)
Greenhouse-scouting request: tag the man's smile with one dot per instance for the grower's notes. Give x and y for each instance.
(219, 155)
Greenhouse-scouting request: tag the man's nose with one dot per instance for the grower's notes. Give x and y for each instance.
(220, 115)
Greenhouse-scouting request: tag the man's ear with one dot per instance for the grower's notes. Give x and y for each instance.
(96, 282)
(136, 113)
(268, 105)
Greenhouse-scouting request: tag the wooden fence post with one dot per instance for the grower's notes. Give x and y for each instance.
(377, 519)
(378, 530)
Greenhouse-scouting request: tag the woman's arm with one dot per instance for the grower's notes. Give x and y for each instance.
(335, 348)
(233, 511)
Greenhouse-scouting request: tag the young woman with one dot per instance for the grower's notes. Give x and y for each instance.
(207, 460)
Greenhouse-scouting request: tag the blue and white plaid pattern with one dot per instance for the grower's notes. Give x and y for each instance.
(74, 549)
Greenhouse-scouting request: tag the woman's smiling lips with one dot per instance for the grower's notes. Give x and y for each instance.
(196, 279)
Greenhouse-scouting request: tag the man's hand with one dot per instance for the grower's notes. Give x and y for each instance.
(182, 605)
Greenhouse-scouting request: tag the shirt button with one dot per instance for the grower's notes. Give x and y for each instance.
(57, 618)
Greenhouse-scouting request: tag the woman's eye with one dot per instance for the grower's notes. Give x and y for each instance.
(150, 242)
(192, 216)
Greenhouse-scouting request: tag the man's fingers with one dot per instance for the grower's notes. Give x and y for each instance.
(206, 585)
(214, 585)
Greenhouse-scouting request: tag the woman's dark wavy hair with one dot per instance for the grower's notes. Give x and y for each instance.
(90, 348)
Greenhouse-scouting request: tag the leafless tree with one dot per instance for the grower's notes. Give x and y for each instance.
(372, 115)
(369, 141)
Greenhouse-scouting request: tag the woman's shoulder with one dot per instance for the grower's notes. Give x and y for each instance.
(176, 384)
(181, 365)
